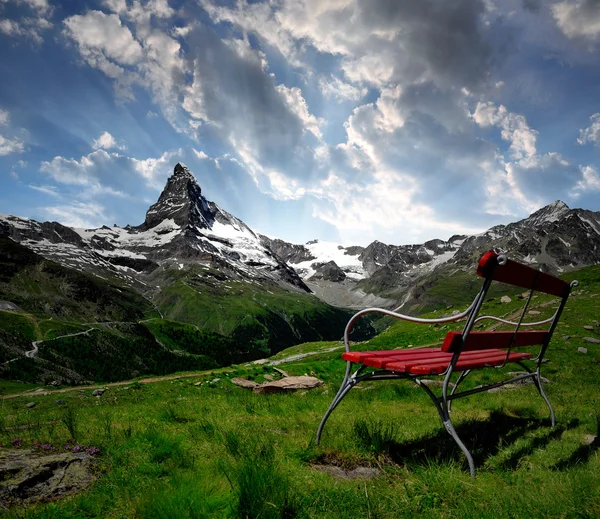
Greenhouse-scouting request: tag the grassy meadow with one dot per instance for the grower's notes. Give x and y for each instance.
(200, 447)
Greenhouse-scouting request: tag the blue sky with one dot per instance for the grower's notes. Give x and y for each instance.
(343, 120)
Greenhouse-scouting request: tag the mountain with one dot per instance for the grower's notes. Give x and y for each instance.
(182, 228)
(555, 239)
(195, 269)
(194, 286)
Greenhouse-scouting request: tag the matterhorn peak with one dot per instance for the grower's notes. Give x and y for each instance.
(182, 169)
(181, 200)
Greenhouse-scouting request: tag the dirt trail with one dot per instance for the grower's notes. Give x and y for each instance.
(149, 380)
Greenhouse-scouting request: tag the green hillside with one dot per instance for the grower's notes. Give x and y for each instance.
(199, 446)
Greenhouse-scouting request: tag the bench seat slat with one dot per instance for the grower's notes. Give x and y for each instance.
(359, 356)
(495, 359)
(494, 340)
(443, 359)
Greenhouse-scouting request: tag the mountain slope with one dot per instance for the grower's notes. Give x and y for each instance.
(555, 239)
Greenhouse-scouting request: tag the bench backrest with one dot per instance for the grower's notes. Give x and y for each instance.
(494, 267)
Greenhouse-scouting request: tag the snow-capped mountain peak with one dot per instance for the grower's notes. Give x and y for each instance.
(550, 213)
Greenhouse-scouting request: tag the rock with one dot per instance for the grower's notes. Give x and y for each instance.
(327, 272)
(288, 384)
(566, 337)
(242, 382)
(338, 472)
(27, 476)
(588, 328)
(59, 402)
(281, 372)
(30, 405)
(9, 306)
(98, 392)
(268, 377)
(581, 349)
(591, 340)
(505, 299)
(215, 380)
(534, 312)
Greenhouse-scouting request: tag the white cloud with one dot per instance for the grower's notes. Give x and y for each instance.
(77, 214)
(8, 146)
(297, 104)
(47, 190)
(591, 134)
(590, 181)
(153, 169)
(339, 90)
(4, 117)
(106, 141)
(514, 128)
(96, 32)
(578, 19)
(151, 59)
(27, 26)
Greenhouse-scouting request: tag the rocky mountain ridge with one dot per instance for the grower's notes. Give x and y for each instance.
(183, 229)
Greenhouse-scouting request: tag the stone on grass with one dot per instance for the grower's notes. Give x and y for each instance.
(340, 473)
(281, 372)
(505, 299)
(288, 384)
(591, 340)
(27, 476)
(242, 382)
(98, 392)
(59, 402)
(534, 312)
(30, 405)
(581, 349)
(588, 327)
(279, 386)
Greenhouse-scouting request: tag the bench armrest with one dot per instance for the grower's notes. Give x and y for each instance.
(410, 318)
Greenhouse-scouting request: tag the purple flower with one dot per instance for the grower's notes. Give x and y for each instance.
(16, 443)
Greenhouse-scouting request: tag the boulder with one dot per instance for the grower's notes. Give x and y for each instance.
(279, 386)
(28, 477)
(591, 340)
(505, 299)
(288, 384)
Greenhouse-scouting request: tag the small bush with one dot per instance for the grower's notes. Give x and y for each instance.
(262, 488)
(374, 435)
(70, 419)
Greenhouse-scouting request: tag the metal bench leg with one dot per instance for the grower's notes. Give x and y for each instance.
(443, 411)
(452, 432)
(538, 383)
(347, 384)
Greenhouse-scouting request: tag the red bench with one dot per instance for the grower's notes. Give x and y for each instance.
(462, 352)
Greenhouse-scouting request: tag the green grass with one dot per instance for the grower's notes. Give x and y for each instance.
(177, 449)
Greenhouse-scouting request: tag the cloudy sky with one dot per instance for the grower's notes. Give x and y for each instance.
(344, 120)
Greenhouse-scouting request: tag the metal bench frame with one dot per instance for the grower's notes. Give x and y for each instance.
(492, 267)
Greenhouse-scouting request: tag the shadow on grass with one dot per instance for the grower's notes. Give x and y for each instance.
(581, 454)
(483, 438)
